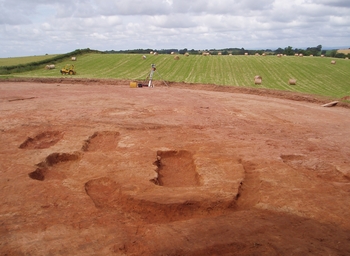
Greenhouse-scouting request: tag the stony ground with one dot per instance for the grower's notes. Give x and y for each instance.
(99, 168)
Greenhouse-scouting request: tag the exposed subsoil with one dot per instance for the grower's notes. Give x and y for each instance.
(94, 167)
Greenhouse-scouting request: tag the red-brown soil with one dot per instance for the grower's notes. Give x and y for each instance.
(94, 167)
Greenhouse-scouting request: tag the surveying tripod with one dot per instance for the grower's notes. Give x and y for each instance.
(153, 69)
(150, 76)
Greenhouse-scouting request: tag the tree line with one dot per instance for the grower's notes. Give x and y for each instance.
(289, 50)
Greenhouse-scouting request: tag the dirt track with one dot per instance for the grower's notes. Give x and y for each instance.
(98, 168)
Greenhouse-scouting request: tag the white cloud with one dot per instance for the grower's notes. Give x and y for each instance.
(135, 7)
(173, 21)
(60, 26)
(337, 3)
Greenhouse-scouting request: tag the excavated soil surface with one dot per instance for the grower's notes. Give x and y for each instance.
(94, 167)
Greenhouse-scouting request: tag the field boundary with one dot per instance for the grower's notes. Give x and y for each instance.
(274, 93)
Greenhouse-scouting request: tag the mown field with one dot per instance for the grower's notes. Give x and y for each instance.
(23, 60)
(345, 51)
(315, 75)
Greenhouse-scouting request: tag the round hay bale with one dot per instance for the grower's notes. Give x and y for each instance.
(246, 54)
(50, 66)
(311, 55)
(172, 53)
(322, 56)
(296, 54)
(144, 57)
(219, 53)
(257, 81)
(187, 54)
(301, 55)
(257, 54)
(333, 62)
(292, 81)
(176, 57)
(230, 54)
(257, 77)
(264, 54)
(150, 52)
(346, 58)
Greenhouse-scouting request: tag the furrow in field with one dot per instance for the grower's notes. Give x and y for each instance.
(193, 68)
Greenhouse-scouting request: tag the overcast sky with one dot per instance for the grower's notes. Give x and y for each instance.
(38, 27)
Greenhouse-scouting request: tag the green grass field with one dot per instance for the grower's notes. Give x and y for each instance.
(315, 75)
(23, 60)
